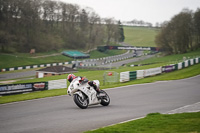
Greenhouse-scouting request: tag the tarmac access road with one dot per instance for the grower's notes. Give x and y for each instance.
(61, 115)
(16, 75)
(120, 63)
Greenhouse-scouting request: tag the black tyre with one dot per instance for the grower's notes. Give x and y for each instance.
(105, 100)
(81, 102)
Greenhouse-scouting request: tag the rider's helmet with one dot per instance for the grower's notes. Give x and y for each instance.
(70, 77)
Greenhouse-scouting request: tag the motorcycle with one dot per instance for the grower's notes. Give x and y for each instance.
(85, 95)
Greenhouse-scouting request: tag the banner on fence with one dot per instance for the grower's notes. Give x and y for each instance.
(168, 68)
(20, 88)
(40, 86)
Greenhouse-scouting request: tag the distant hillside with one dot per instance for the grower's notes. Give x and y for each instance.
(140, 36)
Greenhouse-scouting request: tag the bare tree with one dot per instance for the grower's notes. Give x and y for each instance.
(110, 29)
(197, 27)
(176, 36)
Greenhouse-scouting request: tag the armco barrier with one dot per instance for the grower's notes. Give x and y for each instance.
(127, 76)
(133, 75)
(175, 66)
(152, 71)
(124, 76)
(196, 60)
(140, 74)
(186, 63)
(34, 66)
(180, 65)
(191, 61)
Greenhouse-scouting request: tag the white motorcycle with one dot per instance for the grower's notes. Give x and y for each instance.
(85, 95)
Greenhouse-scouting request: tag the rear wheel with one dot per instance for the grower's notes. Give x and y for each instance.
(105, 100)
(81, 102)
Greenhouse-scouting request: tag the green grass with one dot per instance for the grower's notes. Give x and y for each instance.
(180, 74)
(140, 36)
(97, 54)
(17, 59)
(157, 123)
(8, 61)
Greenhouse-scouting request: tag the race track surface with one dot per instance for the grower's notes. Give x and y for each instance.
(61, 115)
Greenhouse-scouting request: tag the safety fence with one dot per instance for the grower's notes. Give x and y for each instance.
(30, 87)
(106, 60)
(35, 66)
(132, 75)
(110, 77)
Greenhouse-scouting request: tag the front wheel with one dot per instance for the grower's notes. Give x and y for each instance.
(105, 100)
(80, 102)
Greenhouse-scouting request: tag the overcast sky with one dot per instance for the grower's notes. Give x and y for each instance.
(147, 10)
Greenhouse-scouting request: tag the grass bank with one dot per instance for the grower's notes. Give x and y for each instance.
(157, 123)
(140, 36)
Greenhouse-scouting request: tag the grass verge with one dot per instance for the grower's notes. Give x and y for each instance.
(180, 74)
(157, 123)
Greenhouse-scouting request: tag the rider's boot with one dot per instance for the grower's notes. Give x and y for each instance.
(98, 93)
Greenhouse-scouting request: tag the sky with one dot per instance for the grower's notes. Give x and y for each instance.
(147, 10)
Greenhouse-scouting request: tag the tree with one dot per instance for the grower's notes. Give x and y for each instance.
(110, 29)
(163, 39)
(121, 32)
(197, 27)
(50, 25)
(176, 36)
(96, 32)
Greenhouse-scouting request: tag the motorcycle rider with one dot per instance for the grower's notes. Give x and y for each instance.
(71, 77)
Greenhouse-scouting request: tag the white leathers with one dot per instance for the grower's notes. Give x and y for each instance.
(85, 95)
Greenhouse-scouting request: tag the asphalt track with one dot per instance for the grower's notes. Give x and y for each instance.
(60, 114)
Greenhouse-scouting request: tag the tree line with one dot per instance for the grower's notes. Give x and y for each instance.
(181, 33)
(47, 25)
(136, 22)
